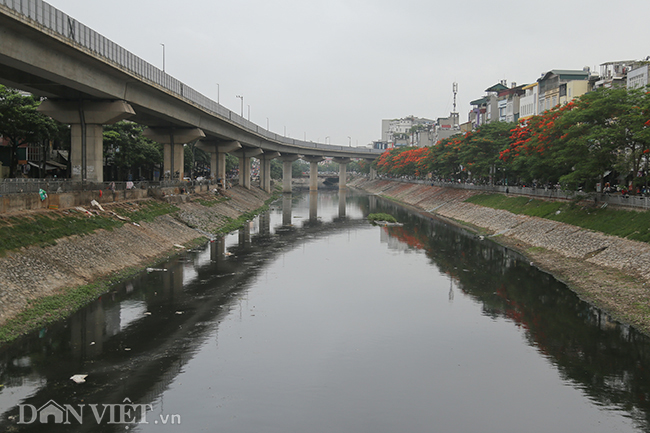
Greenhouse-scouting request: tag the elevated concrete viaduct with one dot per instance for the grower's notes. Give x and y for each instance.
(90, 81)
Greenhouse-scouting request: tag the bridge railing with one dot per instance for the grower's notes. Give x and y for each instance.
(52, 19)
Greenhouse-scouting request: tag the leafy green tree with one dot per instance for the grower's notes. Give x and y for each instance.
(127, 149)
(480, 150)
(20, 123)
(299, 167)
(276, 169)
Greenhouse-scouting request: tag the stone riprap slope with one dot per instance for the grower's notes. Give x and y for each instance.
(37, 271)
(567, 240)
(609, 271)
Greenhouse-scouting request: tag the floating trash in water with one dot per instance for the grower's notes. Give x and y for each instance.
(79, 378)
(150, 270)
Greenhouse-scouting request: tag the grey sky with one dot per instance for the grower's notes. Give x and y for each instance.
(337, 67)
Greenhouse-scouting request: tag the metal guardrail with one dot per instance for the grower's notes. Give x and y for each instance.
(52, 19)
(52, 186)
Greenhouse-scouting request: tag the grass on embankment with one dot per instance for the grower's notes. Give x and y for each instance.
(45, 229)
(44, 311)
(49, 309)
(630, 224)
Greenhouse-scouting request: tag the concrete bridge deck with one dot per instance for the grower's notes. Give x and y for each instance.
(90, 81)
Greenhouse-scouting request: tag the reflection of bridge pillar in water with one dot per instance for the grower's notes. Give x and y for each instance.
(286, 209)
(172, 281)
(313, 206)
(245, 235)
(341, 203)
(88, 327)
(265, 223)
(218, 250)
(372, 203)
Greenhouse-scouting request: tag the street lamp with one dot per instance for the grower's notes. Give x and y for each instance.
(249, 113)
(349, 141)
(217, 93)
(163, 45)
(327, 140)
(242, 105)
(267, 124)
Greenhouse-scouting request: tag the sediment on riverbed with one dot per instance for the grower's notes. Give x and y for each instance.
(35, 271)
(610, 272)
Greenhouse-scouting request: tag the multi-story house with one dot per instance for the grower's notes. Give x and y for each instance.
(501, 104)
(559, 86)
(638, 77)
(408, 131)
(528, 105)
(614, 74)
(486, 109)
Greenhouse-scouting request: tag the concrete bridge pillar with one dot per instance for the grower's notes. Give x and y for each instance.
(373, 173)
(173, 140)
(343, 174)
(245, 154)
(218, 151)
(86, 120)
(287, 160)
(313, 171)
(265, 170)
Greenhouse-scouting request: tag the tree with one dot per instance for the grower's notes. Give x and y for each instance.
(127, 149)
(480, 150)
(20, 123)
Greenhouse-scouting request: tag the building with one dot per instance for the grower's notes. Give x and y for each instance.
(614, 74)
(486, 109)
(528, 102)
(445, 127)
(638, 77)
(408, 131)
(562, 85)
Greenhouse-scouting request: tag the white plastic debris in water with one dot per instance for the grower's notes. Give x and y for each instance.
(149, 270)
(79, 378)
(179, 312)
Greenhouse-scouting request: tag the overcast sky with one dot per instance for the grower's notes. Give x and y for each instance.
(338, 67)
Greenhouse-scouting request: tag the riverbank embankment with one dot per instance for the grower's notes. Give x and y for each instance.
(34, 272)
(610, 272)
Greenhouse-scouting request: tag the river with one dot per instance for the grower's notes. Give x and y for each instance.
(310, 319)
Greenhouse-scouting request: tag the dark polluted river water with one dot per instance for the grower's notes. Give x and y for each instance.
(312, 320)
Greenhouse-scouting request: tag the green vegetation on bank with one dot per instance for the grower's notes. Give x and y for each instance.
(47, 310)
(381, 217)
(44, 311)
(43, 230)
(213, 202)
(629, 224)
(148, 211)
